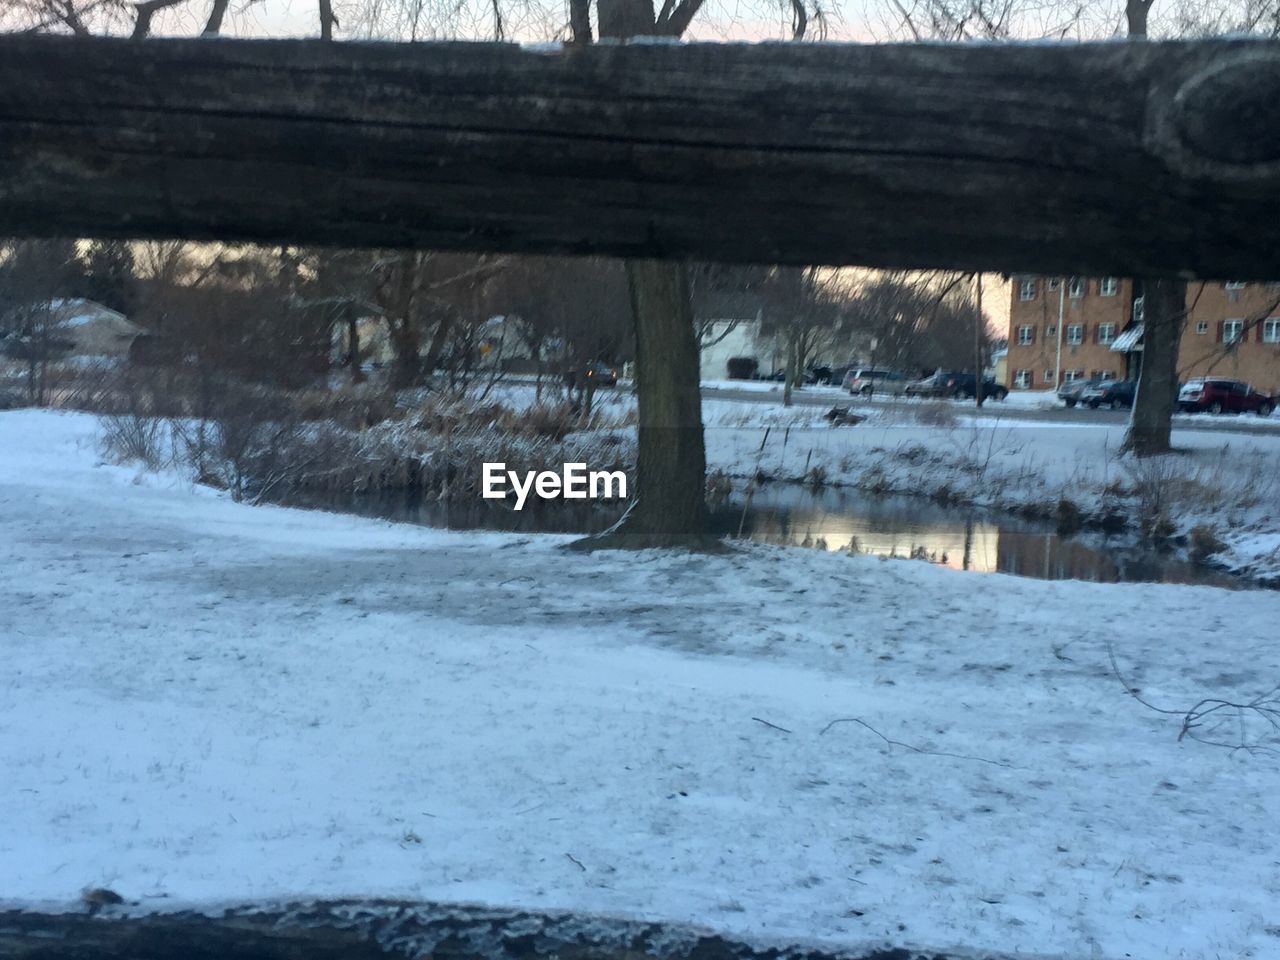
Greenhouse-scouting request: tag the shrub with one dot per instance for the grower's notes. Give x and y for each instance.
(134, 437)
(719, 487)
(1203, 542)
(1068, 516)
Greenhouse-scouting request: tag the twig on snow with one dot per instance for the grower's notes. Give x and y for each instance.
(914, 749)
(1265, 706)
(576, 862)
(768, 724)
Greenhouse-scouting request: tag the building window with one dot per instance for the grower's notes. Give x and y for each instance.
(1202, 327)
(1234, 285)
(1027, 290)
(1051, 330)
(1054, 283)
(1075, 287)
(1108, 286)
(1075, 334)
(1026, 335)
(1271, 330)
(1022, 378)
(1139, 309)
(1106, 332)
(1104, 375)
(1070, 376)
(1232, 330)
(1048, 376)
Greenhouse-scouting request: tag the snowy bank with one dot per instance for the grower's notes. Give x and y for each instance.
(207, 701)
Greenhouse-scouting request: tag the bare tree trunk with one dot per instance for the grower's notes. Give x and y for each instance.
(580, 20)
(1164, 309)
(435, 350)
(1151, 423)
(1135, 12)
(407, 367)
(327, 19)
(669, 506)
(670, 500)
(623, 19)
(789, 370)
(353, 347)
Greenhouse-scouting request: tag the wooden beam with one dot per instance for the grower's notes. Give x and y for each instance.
(377, 929)
(1100, 159)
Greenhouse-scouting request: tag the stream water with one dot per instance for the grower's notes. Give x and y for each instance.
(833, 519)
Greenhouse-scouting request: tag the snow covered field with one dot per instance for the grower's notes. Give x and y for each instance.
(205, 701)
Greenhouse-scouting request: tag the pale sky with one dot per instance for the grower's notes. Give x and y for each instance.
(719, 20)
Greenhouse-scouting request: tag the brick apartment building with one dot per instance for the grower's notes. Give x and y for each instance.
(1232, 330)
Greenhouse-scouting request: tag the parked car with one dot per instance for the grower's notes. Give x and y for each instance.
(603, 374)
(817, 375)
(1109, 393)
(955, 383)
(865, 381)
(1219, 395)
(597, 373)
(1069, 392)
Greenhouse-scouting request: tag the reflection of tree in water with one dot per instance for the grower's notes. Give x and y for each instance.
(897, 527)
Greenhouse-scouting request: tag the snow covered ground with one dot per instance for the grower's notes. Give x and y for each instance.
(206, 701)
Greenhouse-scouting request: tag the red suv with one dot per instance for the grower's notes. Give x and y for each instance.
(1223, 396)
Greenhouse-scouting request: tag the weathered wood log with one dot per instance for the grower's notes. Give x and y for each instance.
(1104, 159)
(377, 929)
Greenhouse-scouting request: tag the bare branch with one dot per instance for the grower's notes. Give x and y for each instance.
(914, 749)
(213, 26)
(145, 11)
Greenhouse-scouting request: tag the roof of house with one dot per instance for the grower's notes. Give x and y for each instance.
(79, 312)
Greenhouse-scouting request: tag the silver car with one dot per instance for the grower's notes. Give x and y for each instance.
(866, 381)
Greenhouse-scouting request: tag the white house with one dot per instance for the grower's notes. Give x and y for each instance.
(92, 329)
(724, 339)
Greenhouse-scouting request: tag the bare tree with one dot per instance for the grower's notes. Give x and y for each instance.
(800, 306)
(35, 276)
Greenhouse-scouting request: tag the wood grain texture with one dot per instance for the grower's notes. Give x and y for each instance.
(1152, 159)
(375, 929)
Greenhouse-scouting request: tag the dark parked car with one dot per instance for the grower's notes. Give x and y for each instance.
(602, 374)
(596, 373)
(1218, 395)
(1069, 392)
(1109, 393)
(957, 384)
(817, 375)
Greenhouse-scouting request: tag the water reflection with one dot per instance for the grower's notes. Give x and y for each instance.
(833, 519)
(883, 526)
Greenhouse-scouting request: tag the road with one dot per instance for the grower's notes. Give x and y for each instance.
(1011, 411)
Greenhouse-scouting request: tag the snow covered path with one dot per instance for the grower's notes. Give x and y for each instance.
(207, 701)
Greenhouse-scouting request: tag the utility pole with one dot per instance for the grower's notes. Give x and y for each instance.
(1057, 369)
(977, 348)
